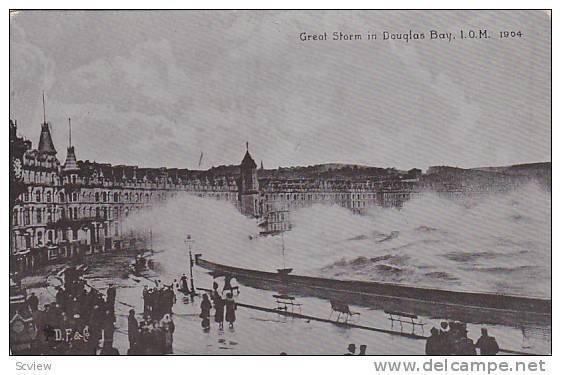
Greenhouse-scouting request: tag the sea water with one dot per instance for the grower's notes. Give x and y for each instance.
(495, 242)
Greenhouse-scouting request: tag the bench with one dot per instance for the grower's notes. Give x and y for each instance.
(402, 317)
(284, 300)
(342, 309)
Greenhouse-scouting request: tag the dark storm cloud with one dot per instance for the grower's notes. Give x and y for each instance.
(157, 88)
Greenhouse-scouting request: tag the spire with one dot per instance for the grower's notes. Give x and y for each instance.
(44, 112)
(45, 140)
(248, 161)
(70, 165)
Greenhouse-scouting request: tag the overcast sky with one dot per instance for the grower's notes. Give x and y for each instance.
(156, 88)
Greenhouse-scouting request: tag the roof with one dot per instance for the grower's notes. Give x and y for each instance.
(45, 141)
(70, 163)
(248, 161)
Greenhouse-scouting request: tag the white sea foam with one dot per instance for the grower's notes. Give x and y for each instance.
(498, 243)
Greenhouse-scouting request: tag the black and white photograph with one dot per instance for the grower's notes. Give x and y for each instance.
(280, 182)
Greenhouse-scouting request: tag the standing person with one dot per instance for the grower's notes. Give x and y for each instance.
(230, 309)
(184, 284)
(168, 328)
(214, 291)
(362, 349)
(133, 332)
(487, 344)
(33, 302)
(434, 342)
(108, 331)
(205, 312)
(219, 311)
(111, 296)
(146, 299)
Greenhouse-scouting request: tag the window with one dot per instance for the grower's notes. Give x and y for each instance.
(26, 217)
(40, 238)
(62, 213)
(38, 196)
(97, 197)
(73, 178)
(15, 220)
(104, 196)
(61, 197)
(74, 197)
(49, 197)
(39, 215)
(75, 212)
(115, 197)
(50, 233)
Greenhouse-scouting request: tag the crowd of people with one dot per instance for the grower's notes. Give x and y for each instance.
(79, 318)
(158, 301)
(150, 336)
(452, 339)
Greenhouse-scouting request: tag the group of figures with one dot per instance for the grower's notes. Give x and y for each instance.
(158, 301)
(351, 350)
(151, 336)
(221, 306)
(77, 321)
(452, 339)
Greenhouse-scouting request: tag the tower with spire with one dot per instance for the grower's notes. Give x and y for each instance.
(249, 185)
(70, 170)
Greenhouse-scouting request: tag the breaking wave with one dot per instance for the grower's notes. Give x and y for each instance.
(500, 243)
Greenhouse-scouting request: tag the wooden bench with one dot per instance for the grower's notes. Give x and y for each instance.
(284, 300)
(402, 317)
(342, 309)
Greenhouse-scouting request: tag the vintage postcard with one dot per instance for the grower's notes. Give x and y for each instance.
(282, 182)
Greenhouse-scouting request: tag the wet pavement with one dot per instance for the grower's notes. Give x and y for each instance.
(264, 333)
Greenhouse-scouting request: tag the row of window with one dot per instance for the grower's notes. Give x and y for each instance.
(321, 196)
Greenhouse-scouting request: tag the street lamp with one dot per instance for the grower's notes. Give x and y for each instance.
(189, 242)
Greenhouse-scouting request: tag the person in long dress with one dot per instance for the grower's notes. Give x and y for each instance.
(230, 309)
(205, 312)
(168, 327)
(219, 311)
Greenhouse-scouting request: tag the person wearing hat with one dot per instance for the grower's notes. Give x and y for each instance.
(487, 344)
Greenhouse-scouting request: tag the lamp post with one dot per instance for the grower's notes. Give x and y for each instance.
(189, 242)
